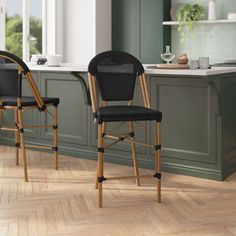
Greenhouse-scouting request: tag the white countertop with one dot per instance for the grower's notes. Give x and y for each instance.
(66, 67)
(198, 72)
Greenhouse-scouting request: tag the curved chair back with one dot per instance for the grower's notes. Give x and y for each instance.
(8, 78)
(11, 70)
(115, 73)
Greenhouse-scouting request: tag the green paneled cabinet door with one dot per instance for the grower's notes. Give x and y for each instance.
(73, 113)
(137, 28)
(189, 126)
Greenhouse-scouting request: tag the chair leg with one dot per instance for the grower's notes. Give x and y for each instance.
(1, 112)
(103, 131)
(22, 141)
(136, 170)
(17, 138)
(158, 162)
(55, 137)
(96, 184)
(100, 164)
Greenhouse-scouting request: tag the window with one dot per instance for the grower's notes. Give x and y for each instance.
(21, 23)
(2, 23)
(13, 27)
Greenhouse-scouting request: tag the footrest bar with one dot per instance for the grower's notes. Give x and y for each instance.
(130, 177)
(41, 147)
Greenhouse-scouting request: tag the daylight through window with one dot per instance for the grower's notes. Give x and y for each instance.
(19, 29)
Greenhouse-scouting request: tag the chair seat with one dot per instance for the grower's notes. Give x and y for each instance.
(127, 113)
(27, 101)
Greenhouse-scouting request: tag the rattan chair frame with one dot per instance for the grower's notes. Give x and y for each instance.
(125, 137)
(19, 126)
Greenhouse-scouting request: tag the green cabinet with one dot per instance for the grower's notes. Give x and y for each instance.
(73, 112)
(189, 108)
(198, 127)
(137, 28)
(227, 118)
(72, 109)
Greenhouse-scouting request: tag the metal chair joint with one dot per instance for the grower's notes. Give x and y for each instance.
(101, 179)
(157, 175)
(157, 147)
(21, 130)
(17, 144)
(55, 149)
(55, 126)
(131, 134)
(42, 108)
(101, 150)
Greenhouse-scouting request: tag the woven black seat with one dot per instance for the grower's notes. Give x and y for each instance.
(14, 73)
(114, 74)
(27, 101)
(127, 113)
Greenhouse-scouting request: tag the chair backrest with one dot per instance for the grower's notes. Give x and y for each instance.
(11, 70)
(115, 73)
(8, 78)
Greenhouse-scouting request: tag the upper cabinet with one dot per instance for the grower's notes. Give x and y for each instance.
(137, 28)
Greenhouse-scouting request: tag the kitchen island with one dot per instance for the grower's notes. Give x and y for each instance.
(198, 127)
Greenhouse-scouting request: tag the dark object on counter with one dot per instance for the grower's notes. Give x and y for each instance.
(41, 61)
(12, 71)
(114, 73)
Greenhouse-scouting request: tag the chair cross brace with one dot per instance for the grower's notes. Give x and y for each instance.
(125, 139)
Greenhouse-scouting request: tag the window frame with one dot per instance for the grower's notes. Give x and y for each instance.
(26, 30)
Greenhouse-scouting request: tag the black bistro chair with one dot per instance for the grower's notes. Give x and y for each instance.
(114, 73)
(12, 71)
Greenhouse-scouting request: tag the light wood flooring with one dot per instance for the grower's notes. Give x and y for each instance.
(64, 202)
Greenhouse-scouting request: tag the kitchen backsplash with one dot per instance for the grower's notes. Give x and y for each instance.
(214, 40)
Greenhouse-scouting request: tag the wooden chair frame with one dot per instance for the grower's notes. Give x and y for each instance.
(20, 126)
(127, 137)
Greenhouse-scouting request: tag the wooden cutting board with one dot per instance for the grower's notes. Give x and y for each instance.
(172, 66)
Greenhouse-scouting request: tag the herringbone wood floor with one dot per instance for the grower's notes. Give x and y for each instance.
(64, 202)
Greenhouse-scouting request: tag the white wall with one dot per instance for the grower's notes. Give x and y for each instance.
(53, 27)
(87, 29)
